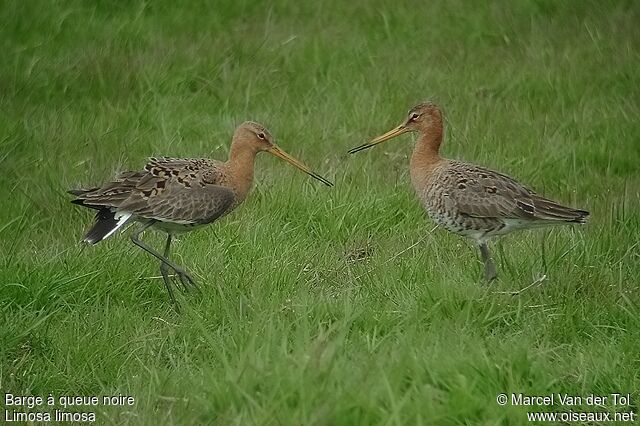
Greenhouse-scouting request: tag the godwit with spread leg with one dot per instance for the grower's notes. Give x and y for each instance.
(177, 195)
(471, 200)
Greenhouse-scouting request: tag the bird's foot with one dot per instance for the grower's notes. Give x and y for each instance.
(186, 280)
(180, 279)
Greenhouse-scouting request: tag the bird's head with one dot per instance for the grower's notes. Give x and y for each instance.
(421, 118)
(255, 137)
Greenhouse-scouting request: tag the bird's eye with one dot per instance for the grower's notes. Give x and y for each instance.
(415, 116)
(261, 135)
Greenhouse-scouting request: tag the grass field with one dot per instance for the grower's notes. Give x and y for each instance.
(321, 306)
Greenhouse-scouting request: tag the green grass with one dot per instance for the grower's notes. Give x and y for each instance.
(288, 330)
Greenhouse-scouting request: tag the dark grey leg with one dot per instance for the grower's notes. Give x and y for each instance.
(164, 269)
(185, 278)
(489, 268)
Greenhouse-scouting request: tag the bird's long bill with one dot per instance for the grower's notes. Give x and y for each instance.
(278, 152)
(390, 134)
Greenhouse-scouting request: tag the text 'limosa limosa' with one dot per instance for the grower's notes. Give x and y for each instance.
(177, 195)
(470, 200)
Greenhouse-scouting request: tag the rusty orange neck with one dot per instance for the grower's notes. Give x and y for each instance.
(426, 152)
(240, 164)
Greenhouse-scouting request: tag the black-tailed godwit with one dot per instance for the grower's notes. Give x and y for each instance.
(466, 199)
(177, 195)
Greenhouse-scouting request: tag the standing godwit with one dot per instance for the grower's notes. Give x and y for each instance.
(466, 199)
(178, 195)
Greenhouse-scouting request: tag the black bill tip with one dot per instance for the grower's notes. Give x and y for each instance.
(321, 179)
(360, 148)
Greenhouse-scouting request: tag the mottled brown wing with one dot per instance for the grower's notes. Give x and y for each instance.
(183, 190)
(185, 170)
(481, 192)
(109, 194)
(198, 204)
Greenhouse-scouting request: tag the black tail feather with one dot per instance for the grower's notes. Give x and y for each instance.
(105, 223)
(582, 216)
(550, 210)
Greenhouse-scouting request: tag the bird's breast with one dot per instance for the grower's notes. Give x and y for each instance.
(429, 190)
(434, 198)
(240, 182)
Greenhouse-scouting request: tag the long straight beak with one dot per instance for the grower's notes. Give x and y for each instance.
(278, 152)
(390, 134)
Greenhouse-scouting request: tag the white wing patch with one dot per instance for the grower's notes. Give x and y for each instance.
(122, 218)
